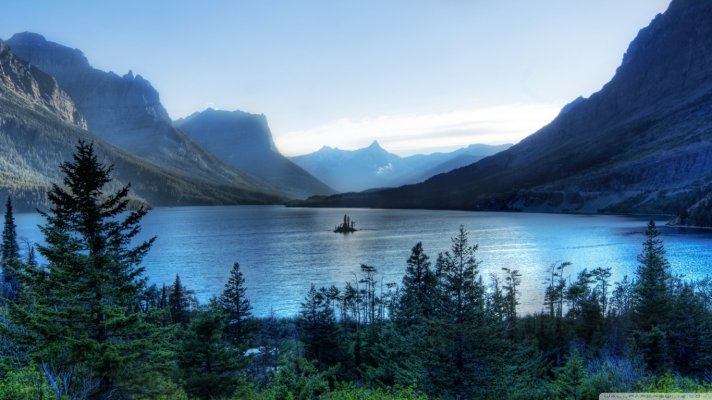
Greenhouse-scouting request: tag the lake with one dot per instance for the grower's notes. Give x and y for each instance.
(283, 250)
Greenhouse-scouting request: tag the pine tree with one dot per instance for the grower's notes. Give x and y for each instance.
(512, 279)
(600, 276)
(652, 301)
(81, 312)
(207, 363)
(418, 295)
(318, 329)
(461, 337)
(235, 304)
(570, 382)
(458, 276)
(179, 303)
(10, 259)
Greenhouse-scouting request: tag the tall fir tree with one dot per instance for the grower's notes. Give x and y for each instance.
(415, 306)
(512, 280)
(318, 329)
(460, 337)
(80, 313)
(208, 364)
(10, 260)
(652, 302)
(236, 305)
(418, 295)
(179, 303)
(461, 288)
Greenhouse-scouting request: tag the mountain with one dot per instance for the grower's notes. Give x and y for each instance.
(643, 143)
(126, 112)
(374, 167)
(447, 162)
(39, 127)
(244, 141)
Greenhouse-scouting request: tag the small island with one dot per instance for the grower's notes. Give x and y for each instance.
(347, 226)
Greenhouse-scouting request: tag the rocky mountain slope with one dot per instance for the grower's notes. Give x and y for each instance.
(244, 141)
(643, 143)
(126, 112)
(374, 167)
(39, 127)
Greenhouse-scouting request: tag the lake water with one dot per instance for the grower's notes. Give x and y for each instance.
(283, 250)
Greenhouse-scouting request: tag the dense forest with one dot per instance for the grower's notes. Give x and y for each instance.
(86, 325)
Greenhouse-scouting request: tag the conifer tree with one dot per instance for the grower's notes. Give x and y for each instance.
(318, 329)
(81, 313)
(570, 382)
(458, 276)
(652, 301)
(600, 276)
(461, 336)
(179, 303)
(10, 259)
(418, 295)
(235, 304)
(207, 363)
(512, 279)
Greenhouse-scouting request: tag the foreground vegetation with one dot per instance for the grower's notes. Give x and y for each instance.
(86, 325)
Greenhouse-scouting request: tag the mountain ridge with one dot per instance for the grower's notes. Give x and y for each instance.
(373, 166)
(39, 127)
(126, 112)
(641, 143)
(244, 141)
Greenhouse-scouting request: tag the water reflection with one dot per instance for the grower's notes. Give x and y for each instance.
(283, 250)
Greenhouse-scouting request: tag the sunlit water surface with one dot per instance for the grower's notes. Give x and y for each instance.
(282, 251)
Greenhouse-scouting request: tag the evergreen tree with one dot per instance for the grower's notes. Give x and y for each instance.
(318, 329)
(652, 302)
(460, 339)
(570, 382)
(418, 295)
(235, 304)
(512, 279)
(457, 273)
(10, 259)
(207, 363)
(81, 313)
(179, 303)
(600, 276)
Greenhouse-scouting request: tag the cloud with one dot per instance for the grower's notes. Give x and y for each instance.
(425, 133)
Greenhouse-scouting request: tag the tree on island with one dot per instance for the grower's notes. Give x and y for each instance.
(79, 313)
(346, 226)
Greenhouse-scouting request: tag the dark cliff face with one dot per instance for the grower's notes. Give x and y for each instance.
(36, 87)
(111, 104)
(39, 128)
(244, 141)
(126, 112)
(635, 145)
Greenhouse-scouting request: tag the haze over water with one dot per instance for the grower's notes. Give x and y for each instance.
(283, 250)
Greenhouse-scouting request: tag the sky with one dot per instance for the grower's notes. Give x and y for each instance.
(418, 76)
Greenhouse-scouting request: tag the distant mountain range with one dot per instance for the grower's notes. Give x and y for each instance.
(643, 143)
(244, 141)
(374, 167)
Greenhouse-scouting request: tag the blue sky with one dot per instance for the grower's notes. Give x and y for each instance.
(419, 76)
